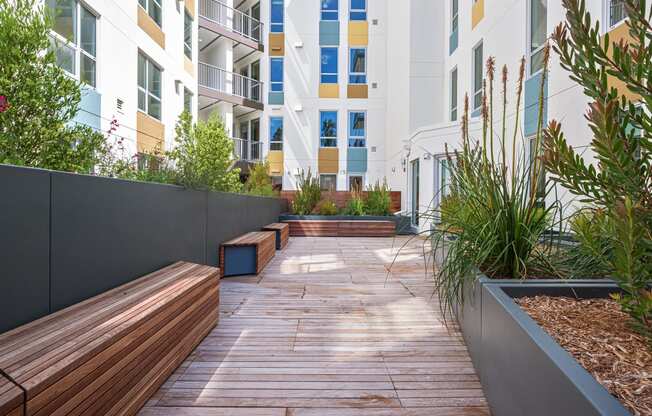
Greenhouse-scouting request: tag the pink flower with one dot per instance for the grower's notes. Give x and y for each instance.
(4, 104)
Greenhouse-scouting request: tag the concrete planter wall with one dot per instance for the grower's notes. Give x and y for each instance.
(68, 237)
(522, 369)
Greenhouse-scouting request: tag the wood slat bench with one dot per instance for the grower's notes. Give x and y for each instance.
(341, 228)
(109, 354)
(247, 254)
(282, 233)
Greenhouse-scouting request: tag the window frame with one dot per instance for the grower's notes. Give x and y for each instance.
(323, 74)
(355, 175)
(351, 138)
(75, 45)
(322, 11)
(272, 142)
(145, 7)
(357, 74)
(324, 141)
(271, 74)
(477, 89)
(187, 47)
(608, 16)
(148, 94)
(353, 11)
(273, 26)
(530, 53)
(454, 95)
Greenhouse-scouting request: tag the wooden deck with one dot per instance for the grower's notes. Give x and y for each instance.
(321, 333)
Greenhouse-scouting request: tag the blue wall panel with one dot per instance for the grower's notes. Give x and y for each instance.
(356, 160)
(329, 33)
(90, 109)
(453, 42)
(532, 92)
(276, 98)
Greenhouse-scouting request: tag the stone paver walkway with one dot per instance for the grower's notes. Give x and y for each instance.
(324, 331)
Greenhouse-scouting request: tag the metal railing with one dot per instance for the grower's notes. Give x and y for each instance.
(233, 19)
(229, 82)
(247, 150)
(617, 12)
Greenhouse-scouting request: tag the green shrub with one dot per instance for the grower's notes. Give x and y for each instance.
(259, 182)
(619, 190)
(355, 205)
(327, 207)
(379, 201)
(308, 195)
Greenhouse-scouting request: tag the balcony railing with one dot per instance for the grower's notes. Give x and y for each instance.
(617, 12)
(232, 19)
(227, 82)
(247, 150)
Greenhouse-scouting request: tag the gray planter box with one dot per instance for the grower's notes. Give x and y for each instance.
(522, 369)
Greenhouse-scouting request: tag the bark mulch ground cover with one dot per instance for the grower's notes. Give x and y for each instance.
(596, 333)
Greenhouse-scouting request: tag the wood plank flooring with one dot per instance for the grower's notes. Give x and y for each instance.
(324, 331)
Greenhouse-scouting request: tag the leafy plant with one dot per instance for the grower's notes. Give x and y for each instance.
(39, 100)
(327, 207)
(492, 220)
(379, 201)
(308, 195)
(619, 190)
(203, 156)
(259, 181)
(355, 205)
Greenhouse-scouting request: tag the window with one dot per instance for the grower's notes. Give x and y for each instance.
(538, 36)
(276, 133)
(277, 183)
(358, 10)
(328, 182)
(329, 10)
(276, 66)
(187, 35)
(357, 129)
(454, 95)
(455, 10)
(617, 11)
(328, 129)
(153, 9)
(149, 87)
(358, 66)
(477, 76)
(187, 100)
(328, 65)
(442, 181)
(356, 183)
(277, 16)
(74, 39)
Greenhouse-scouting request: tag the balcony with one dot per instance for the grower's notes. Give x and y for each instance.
(216, 19)
(247, 150)
(216, 84)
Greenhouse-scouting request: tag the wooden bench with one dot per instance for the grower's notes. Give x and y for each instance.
(282, 234)
(247, 254)
(109, 354)
(341, 228)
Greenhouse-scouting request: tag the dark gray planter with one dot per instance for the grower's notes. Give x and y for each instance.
(522, 369)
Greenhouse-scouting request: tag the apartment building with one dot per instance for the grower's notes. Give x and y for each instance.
(137, 61)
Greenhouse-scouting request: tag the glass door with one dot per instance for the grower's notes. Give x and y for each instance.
(255, 74)
(244, 140)
(255, 30)
(415, 191)
(254, 137)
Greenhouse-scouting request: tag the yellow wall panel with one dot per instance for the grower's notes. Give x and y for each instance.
(150, 27)
(358, 33)
(329, 158)
(477, 12)
(275, 158)
(277, 44)
(358, 91)
(329, 90)
(615, 36)
(190, 6)
(151, 133)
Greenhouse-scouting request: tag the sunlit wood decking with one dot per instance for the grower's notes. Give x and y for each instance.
(321, 332)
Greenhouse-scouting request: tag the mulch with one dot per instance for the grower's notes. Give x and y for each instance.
(596, 333)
